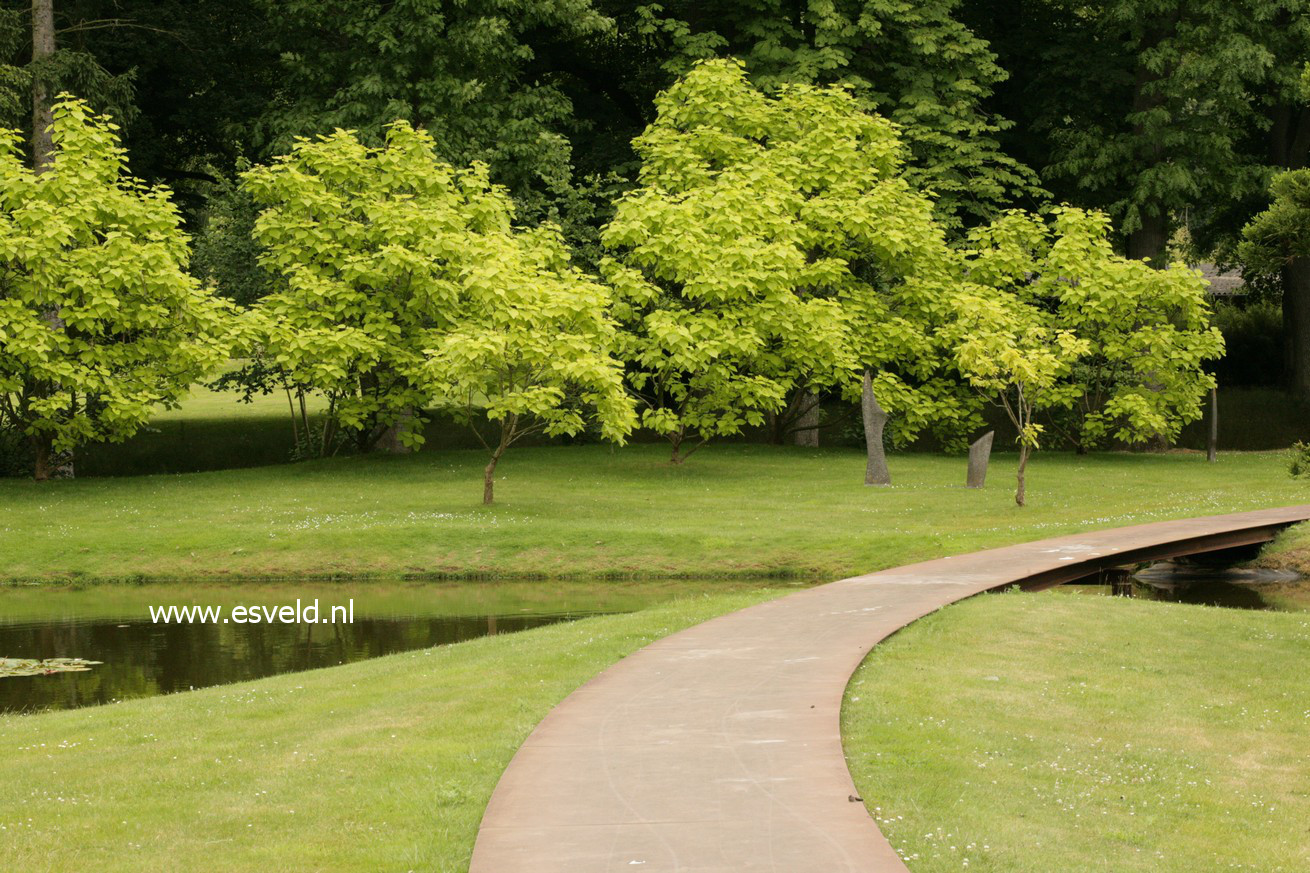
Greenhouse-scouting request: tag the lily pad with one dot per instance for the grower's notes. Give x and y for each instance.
(30, 667)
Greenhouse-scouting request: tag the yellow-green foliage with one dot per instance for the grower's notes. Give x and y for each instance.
(405, 285)
(1049, 310)
(772, 244)
(367, 245)
(533, 341)
(100, 322)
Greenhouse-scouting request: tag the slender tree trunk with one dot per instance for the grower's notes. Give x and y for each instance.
(875, 468)
(42, 446)
(295, 428)
(1296, 325)
(507, 429)
(676, 439)
(1212, 446)
(43, 46)
(1021, 488)
(489, 478)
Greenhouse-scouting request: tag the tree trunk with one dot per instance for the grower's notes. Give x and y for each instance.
(875, 468)
(508, 427)
(389, 440)
(1021, 488)
(1212, 447)
(42, 446)
(1296, 325)
(489, 479)
(676, 439)
(1149, 240)
(43, 45)
(807, 423)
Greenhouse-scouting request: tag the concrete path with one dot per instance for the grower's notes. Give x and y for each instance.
(718, 748)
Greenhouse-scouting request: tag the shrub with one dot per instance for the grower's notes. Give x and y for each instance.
(1298, 461)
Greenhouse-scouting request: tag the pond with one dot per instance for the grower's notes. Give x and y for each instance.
(1235, 588)
(141, 657)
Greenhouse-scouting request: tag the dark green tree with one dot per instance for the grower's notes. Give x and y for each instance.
(915, 63)
(1277, 243)
(476, 76)
(1140, 108)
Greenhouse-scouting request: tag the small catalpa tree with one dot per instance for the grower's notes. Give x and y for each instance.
(773, 247)
(531, 349)
(100, 323)
(366, 246)
(1147, 331)
(1103, 346)
(1011, 351)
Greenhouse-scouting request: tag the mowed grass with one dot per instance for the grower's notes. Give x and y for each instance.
(1032, 733)
(590, 510)
(380, 765)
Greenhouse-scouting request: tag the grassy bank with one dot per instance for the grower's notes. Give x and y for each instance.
(380, 765)
(587, 510)
(1291, 551)
(1051, 732)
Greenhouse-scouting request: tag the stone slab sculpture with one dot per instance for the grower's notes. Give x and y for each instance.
(980, 452)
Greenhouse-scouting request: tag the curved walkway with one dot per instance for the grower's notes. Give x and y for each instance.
(718, 748)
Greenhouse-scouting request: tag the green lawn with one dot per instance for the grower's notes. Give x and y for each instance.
(1034, 733)
(387, 764)
(588, 510)
(380, 765)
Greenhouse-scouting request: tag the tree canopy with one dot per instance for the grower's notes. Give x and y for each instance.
(1052, 321)
(774, 243)
(100, 323)
(532, 348)
(366, 245)
(916, 64)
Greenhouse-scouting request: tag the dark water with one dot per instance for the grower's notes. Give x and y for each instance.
(1209, 586)
(143, 658)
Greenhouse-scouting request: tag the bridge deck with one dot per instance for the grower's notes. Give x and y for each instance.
(718, 748)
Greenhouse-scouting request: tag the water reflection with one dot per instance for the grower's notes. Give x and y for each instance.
(1234, 588)
(142, 658)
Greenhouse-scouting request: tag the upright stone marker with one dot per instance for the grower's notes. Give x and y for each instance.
(979, 454)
